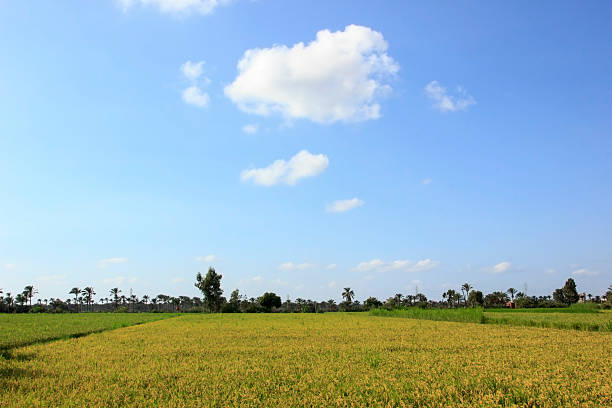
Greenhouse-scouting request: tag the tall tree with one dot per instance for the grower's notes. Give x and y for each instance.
(569, 291)
(511, 292)
(348, 295)
(29, 293)
(114, 292)
(88, 293)
(210, 286)
(465, 289)
(76, 292)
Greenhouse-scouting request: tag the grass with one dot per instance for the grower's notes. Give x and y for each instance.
(576, 321)
(575, 308)
(588, 321)
(24, 329)
(306, 360)
(469, 315)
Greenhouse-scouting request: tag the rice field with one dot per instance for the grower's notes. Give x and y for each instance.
(591, 320)
(305, 360)
(23, 329)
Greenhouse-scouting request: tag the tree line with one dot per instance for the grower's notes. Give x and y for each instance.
(83, 300)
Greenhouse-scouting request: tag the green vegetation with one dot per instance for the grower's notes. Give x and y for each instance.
(575, 308)
(568, 320)
(24, 329)
(470, 315)
(576, 318)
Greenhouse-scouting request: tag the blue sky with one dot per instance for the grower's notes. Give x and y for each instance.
(404, 145)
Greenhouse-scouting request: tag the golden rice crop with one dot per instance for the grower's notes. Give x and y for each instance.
(305, 360)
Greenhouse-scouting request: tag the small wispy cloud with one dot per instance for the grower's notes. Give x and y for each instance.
(331, 266)
(251, 128)
(104, 263)
(290, 266)
(501, 267)
(427, 181)
(10, 266)
(445, 102)
(207, 258)
(177, 7)
(343, 205)
(406, 265)
(193, 94)
(585, 272)
(177, 280)
(302, 165)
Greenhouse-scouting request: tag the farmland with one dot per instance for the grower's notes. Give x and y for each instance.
(23, 329)
(589, 320)
(335, 359)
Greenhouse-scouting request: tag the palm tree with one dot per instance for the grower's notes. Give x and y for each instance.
(511, 292)
(114, 292)
(348, 295)
(465, 289)
(76, 292)
(89, 293)
(29, 293)
(397, 299)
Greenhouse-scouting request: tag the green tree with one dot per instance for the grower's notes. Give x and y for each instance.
(210, 286)
(114, 292)
(511, 292)
(76, 292)
(465, 290)
(88, 294)
(348, 295)
(475, 298)
(29, 293)
(496, 299)
(569, 292)
(371, 303)
(269, 300)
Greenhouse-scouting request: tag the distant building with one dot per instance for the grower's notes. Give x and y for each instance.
(581, 297)
(510, 305)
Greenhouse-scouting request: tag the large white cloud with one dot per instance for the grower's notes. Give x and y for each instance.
(302, 165)
(445, 102)
(339, 76)
(178, 6)
(344, 205)
(405, 265)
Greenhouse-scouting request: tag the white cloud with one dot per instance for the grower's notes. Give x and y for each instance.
(501, 267)
(103, 263)
(427, 181)
(302, 165)
(182, 7)
(337, 77)
(192, 70)
(405, 265)
(251, 128)
(290, 266)
(207, 258)
(344, 205)
(10, 266)
(550, 271)
(256, 278)
(585, 272)
(331, 284)
(330, 267)
(193, 95)
(445, 102)
(177, 280)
